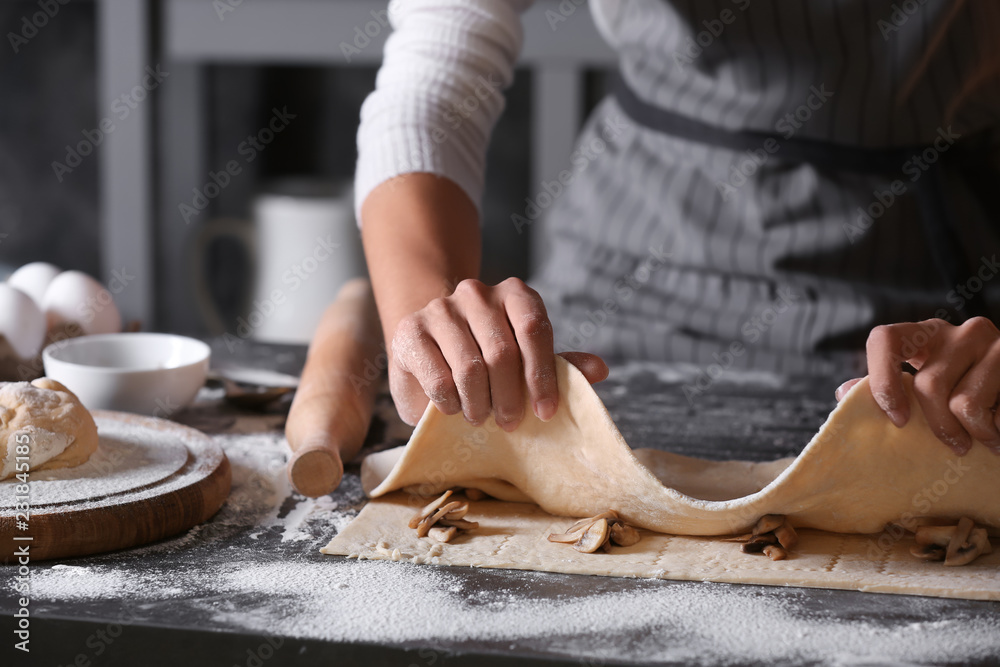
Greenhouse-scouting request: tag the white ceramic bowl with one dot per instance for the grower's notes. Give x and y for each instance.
(149, 373)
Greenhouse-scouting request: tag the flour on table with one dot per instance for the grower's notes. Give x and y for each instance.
(279, 584)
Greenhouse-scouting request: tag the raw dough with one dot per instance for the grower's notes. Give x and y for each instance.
(61, 432)
(856, 475)
(512, 535)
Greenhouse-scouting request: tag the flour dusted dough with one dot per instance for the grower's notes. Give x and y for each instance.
(61, 432)
(857, 474)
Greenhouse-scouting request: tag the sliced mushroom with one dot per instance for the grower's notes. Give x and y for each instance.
(739, 538)
(763, 538)
(459, 512)
(927, 551)
(459, 523)
(959, 541)
(475, 494)
(610, 515)
(977, 544)
(593, 538)
(753, 547)
(565, 538)
(624, 535)
(774, 552)
(425, 526)
(444, 511)
(768, 523)
(442, 534)
(787, 537)
(934, 535)
(429, 510)
(985, 537)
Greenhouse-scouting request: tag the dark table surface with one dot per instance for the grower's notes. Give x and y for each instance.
(251, 588)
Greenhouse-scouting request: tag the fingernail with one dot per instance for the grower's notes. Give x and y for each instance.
(961, 449)
(506, 422)
(960, 444)
(897, 417)
(545, 409)
(842, 390)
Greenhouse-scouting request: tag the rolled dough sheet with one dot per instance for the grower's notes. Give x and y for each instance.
(857, 476)
(513, 535)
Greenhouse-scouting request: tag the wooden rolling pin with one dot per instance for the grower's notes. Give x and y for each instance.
(333, 405)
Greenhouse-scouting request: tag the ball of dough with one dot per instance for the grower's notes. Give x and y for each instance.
(60, 432)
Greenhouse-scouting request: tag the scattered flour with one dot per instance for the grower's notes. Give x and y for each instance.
(255, 567)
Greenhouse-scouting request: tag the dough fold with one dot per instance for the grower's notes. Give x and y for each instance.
(857, 474)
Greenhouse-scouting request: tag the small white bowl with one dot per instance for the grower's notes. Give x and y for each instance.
(149, 373)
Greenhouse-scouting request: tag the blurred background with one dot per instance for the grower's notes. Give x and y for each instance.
(182, 85)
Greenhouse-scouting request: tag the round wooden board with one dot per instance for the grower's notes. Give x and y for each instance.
(130, 518)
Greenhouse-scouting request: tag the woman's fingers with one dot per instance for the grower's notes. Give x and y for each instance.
(933, 386)
(407, 395)
(488, 322)
(530, 323)
(478, 351)
(416, 353)
(888, 347)
(591, 365)
(462, 354)
(974, 400)
(844, 388)
(957, 383)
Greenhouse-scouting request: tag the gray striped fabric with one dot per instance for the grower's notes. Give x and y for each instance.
(665, 249)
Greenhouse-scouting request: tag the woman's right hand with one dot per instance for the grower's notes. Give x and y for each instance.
(475, 350)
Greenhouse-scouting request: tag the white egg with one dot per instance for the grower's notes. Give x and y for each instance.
(21, 322)
(75, 297)
(33, 279)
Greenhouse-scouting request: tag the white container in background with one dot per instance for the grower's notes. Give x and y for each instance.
(303, 244)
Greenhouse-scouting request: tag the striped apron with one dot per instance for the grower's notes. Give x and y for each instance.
(768, 183)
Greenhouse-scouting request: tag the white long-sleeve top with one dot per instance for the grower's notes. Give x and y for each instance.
(439, 92)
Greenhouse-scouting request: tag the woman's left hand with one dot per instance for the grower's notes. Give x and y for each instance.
(957, 382)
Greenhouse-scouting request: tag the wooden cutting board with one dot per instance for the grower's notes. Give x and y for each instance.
(149, 479)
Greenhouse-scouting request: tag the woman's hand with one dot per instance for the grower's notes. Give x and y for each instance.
(957, 382)
(472, 351)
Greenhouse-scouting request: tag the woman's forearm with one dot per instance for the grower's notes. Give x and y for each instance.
(421, 238)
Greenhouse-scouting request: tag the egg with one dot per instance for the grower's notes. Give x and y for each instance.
(33, 279)
(75, 297)
(22, 322)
